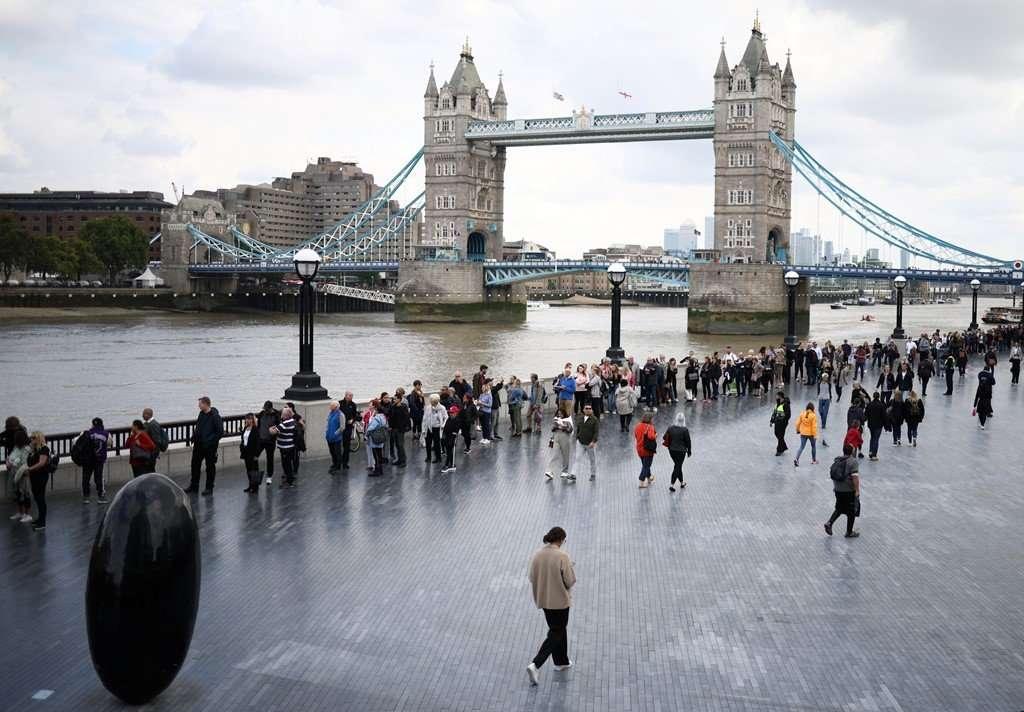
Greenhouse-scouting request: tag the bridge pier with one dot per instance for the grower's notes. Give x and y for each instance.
(744, 299)
(454, 292)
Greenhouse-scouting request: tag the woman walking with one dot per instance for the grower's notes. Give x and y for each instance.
(552, 577)
(1015, 357)
(38, 474)
(886, 384)
(434, 418)
(646, 445)
(915, 414)
(625, 403)
(897, 414)
(983, 396)
(807, 429)
(824, 401)
(875, 415)
(249, 449)
(677, 440)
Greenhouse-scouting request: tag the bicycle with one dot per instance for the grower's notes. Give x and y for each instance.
(357, 437)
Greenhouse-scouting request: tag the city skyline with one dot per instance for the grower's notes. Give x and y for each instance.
(177, 97)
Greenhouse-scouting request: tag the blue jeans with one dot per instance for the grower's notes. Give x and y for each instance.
(876, 434)
(485, 425)
(823, 406)
(803, 444)
(645, 467)
(651, 395)
(911, 431)
(610, 408)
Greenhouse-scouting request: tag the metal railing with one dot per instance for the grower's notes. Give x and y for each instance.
(178, 432)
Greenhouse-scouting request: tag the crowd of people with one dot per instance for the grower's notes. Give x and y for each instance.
(887, 384)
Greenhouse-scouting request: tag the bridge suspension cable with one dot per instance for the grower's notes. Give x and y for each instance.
(878, 221)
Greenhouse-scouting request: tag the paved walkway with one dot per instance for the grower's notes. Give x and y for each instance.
(409, 592)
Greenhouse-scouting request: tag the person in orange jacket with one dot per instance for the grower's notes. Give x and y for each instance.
(646, 444)
(807, 429)
(140, 449)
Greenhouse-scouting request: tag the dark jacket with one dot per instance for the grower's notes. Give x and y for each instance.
(914, 413)
(677, 439)
(349, 412)
(905, 380)
(452, 426)
(156, 434)
(587, 429)
(209, 429)
(399, 419)
(265, 419)
(252, 448)
(875, 414)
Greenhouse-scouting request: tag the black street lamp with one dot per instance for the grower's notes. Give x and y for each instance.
(616, 275)
(900, 282)
(1022, 306)
(975, 286)
(306, 383)
(791, 279)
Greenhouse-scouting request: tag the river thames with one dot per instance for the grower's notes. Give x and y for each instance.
(60, 373)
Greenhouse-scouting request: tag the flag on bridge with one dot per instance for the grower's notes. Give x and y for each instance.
(558, 96)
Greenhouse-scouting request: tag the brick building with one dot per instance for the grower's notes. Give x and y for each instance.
(61, 213)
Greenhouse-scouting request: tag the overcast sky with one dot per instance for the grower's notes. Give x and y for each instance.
(919, 104)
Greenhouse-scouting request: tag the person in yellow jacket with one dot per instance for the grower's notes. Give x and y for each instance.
(807, 429)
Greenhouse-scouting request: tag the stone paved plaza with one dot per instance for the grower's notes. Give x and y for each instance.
(410, 592)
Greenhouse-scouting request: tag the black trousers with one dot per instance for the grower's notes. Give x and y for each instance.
(268, 446)
(449, 451)
(201, 454)
(467, 437)
(335, 449)
(556, 644)
(290, 464)
(780, 435)
(346, 445)
(924, 386)
(949, 383)
(677, 469)
(397, 446)
(434, 443)
(37, 481)
(93, 473)
(252, 472)
(140, 468)
(625, 420)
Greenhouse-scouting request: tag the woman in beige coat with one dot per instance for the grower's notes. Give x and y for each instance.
(552, 577)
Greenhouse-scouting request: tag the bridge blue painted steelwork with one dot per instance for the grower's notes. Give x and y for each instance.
(600, 128)
(505, 273)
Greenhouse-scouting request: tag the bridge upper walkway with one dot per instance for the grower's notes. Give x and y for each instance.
(599, 128)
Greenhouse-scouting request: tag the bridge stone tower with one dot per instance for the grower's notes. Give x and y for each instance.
(753, 190)
(465, 182)
(753, 181)
(465, 203)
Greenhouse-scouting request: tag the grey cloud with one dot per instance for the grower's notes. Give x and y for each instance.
(978, 38)
(145, 141)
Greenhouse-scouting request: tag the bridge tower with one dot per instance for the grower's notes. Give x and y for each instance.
(465, 182)
(753, 181)
(465, 203)
(753, 190)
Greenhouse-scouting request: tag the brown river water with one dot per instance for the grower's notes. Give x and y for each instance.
(58, 374)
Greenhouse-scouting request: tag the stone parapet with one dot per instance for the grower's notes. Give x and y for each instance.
(744, 299)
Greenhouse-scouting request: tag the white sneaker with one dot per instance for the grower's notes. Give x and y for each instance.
(564, 475)
(479, 428)
(16, 515)
(534, 673)
(485, 441)
(562, 668)
(270, 480)
(26, 518)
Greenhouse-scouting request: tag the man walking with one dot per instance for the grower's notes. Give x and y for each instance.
(587, 431)
(333, 434)
(209, 429)
(156, 434)
(846, 485)
(266, 419)
(552, 578)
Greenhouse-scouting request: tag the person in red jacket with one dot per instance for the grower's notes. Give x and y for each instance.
(854, 438)
(141, 449)
(646, 437)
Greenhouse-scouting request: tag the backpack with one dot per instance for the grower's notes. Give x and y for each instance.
(838, 469)
(379, 436)
(161, 439)
(543, 394)
(83, 451)
(300, 436)
(52, 464)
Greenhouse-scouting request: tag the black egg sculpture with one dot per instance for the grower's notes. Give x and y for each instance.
(142, 594)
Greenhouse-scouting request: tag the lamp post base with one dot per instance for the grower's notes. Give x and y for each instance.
(789, 342)
(898, 333)
(305, 387)
(617, 356)
(973, 326)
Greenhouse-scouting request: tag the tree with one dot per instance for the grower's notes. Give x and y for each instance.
(43, 254)
(117, 242)
(76, 257)
(13, 245)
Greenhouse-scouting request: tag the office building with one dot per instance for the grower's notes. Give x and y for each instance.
(681, 241)
(828, 252)
(806, 247)
(904, 259)
(61, 213)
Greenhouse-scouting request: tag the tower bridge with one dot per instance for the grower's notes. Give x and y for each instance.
(467, 133)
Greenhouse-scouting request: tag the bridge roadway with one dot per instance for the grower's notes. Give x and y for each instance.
(502, 273)
(595, 128)
(409, 592)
